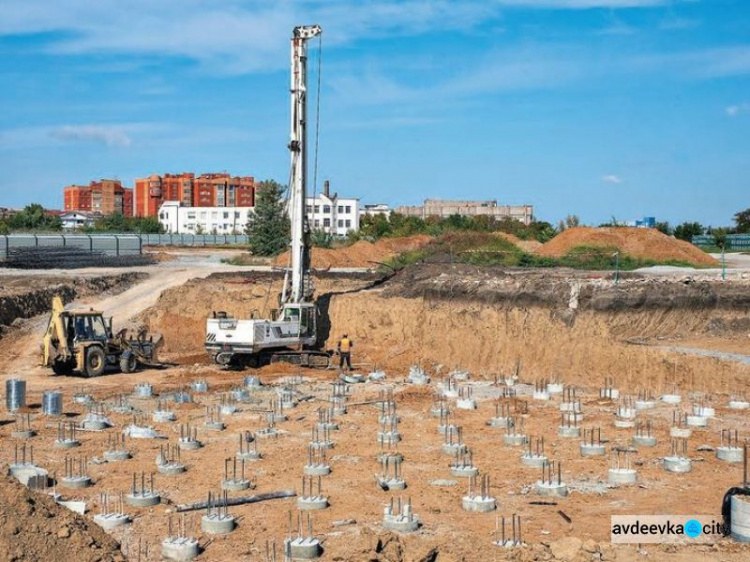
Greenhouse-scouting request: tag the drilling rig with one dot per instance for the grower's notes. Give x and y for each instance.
(291, 332)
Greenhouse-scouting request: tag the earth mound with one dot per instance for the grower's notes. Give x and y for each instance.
(641, 243)
(362, 253)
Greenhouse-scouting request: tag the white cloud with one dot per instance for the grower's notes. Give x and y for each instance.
(613, 179)
(99, 134)
(238, 36)
(735, 110)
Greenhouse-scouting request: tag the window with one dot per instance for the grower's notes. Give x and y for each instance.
(236, 214)
(308, 209)
(203, 214)
(317, 208)
(341, 223)
(348, 224)
(317, 224)
(341, 209)
(191, 215)
(326, 209)
(326, 223)
(226, 215)
(348, 209)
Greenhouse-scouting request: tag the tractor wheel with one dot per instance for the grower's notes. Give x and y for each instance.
(128, 362)
(95, 362)
(63, 368)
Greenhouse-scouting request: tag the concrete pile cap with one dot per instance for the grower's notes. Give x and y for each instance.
(180, 549)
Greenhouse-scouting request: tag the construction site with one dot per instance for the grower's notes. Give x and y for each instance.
(182, 405)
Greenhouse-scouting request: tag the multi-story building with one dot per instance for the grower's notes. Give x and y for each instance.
(206, 190)
(332, 214)
(105, 197)
(178, 219)
(444, 208)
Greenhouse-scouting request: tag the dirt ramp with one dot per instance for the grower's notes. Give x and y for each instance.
(642, 243)
(34, 528)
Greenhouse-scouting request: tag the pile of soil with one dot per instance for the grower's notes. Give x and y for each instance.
(33, 527)
(361, 254)
(642, 243)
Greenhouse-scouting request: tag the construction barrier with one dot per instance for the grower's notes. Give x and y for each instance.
(109, 244)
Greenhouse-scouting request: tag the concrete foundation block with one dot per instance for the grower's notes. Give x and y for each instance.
(180, 549)
(218, 525)
(478, 504)
(75, 482)
(622, 476)
(111, 520)
(303, 548)
(142, 500)
(312, 503)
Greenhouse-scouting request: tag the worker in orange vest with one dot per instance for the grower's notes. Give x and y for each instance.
(345, 352)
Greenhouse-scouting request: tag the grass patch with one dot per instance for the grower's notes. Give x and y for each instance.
(247, 259)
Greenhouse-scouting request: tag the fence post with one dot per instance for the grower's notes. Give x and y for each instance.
(91, 244)
(117, 245)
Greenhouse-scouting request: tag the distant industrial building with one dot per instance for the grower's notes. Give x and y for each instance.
(331, 213)
(178, 219)
(104, 197)
(206, 190)
(445, 208)
(374, 209)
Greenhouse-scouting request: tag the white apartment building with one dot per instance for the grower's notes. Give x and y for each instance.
(177, 219)
(332, 214)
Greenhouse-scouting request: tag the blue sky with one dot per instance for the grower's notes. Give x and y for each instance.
(600, 108)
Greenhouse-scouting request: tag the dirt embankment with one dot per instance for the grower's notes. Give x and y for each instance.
(361, 254)
(642, 243)
(180, 313)
(488, 320)
(578, 328)
(27, 296)
(34, 528)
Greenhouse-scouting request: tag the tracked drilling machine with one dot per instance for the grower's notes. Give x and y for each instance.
(291, 332)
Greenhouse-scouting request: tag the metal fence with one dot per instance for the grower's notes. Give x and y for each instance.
(108, 244)
(194, 239)
(734, 241)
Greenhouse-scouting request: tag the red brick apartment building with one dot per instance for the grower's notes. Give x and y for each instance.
(104, 197)
(206, 190)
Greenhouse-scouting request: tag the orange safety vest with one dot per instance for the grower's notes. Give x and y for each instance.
(345, 345)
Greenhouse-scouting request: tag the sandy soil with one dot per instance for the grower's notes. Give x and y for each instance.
(486, 324)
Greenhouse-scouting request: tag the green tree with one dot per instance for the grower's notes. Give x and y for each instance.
(268, 226)
(4, 228)
(570, 221)
(687, 230)
(115, 222)
(146, 225)
(321, 239)
(742, 220)
(34, 217)
(664, 228)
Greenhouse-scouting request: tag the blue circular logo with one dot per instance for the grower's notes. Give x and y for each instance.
(693, 528)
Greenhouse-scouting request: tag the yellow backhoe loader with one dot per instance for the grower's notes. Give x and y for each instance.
(81, 341)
